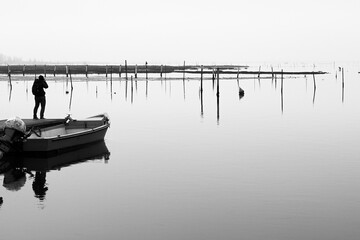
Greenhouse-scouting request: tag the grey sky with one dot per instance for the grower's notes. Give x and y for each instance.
(160, 31)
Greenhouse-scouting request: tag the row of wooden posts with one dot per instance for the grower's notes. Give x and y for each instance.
(214, 72)
(162, 69)
(68, 70)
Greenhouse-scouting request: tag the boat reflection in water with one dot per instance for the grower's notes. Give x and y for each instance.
(16, 167)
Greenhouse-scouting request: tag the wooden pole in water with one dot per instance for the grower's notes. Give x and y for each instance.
(146, 69)
(314, 81)
(35, 71)
(54, 70)
(161, 70)
(111, 80)
(126, 73)
(86, 71)
(67, 70)
(111, 74)
(106, 71)
(136, 70)
(259, 71)
(119, 71)
(9, 74)
(282, 93)
(282, 79)
(201, 79)
(343, 84)
(45, 70)
(184, 72)
(237, 75)
(218, 83)
(218, 96)
(8, 70)
(213, 78)
(23, 70)
(71, 81)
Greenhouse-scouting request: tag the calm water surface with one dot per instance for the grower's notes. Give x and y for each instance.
(176, 165)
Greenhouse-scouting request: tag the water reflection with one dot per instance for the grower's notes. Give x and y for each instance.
(314, 89)
(10, 92)
(15, 167)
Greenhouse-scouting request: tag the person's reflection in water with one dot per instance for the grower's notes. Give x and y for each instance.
(39, 185)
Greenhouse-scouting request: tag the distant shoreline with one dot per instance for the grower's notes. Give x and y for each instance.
(135, 69)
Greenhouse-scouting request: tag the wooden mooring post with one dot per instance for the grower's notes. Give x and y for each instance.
(161, 71)
(342, 84)
(282, 80)
(218, 96)
(282, 93)
(23, 71)
(184, 71)
(146, 69)
(259, 71)
(218, 83)
(45, 70)
(314, 82)
(126, 71)
(201, 79)
(86, 71)
(54, 70)
(136, 71)
(119, 71)
(213, 78)
(111, 80)
(9, 74)
(106, 71)
(8, 70)
(67, 70)
(71, 81)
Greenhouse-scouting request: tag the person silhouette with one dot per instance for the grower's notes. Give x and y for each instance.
(39, 93)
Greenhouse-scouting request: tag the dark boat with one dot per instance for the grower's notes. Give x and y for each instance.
(50, 135)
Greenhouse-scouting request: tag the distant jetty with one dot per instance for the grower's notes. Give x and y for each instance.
(136, 69)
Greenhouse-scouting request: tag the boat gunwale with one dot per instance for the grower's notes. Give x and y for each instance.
(70, 135)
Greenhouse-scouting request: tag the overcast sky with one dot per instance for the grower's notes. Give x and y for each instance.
(165, 31)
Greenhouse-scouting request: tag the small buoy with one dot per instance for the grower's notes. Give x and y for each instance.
(241, 91)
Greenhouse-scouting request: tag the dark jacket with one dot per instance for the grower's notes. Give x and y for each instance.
(38, 88)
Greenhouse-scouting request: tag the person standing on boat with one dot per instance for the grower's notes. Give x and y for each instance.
(39, 93)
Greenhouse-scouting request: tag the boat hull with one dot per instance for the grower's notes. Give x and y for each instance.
(64, 141)
(49, 135)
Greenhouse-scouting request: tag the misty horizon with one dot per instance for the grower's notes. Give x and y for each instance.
(167, 33)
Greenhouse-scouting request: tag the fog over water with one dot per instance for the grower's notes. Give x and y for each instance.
(164, 32)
